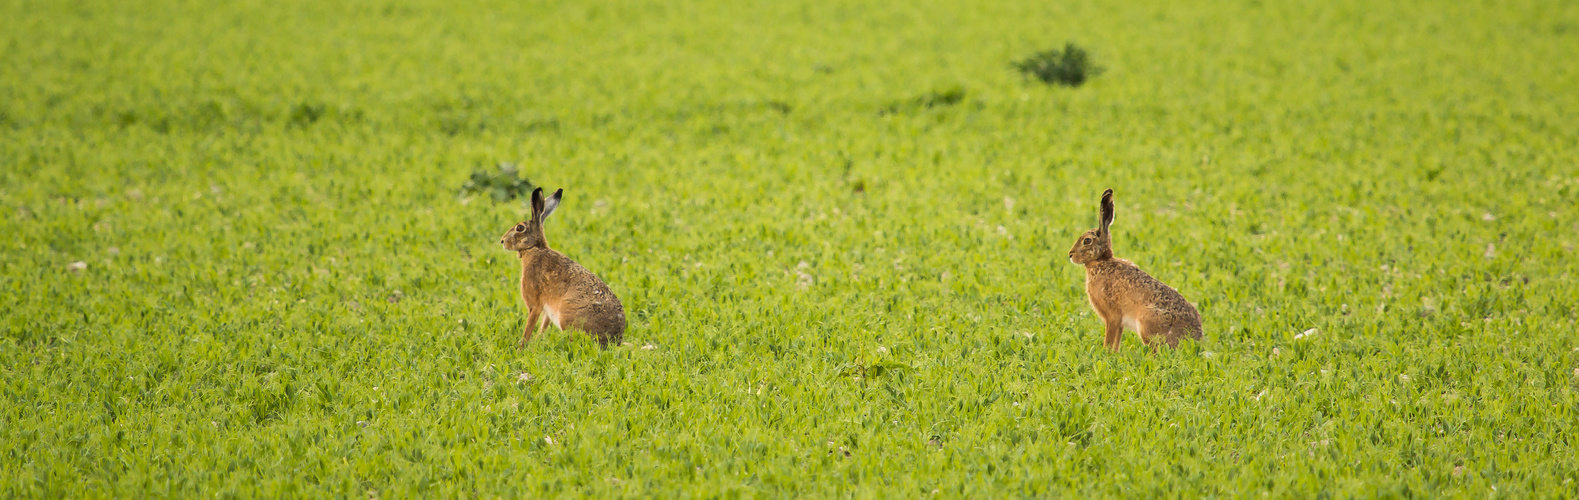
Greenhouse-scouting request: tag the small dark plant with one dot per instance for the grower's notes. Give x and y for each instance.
(934, 99)
(783, 107)
(946, 97)
(307, 113)
(504, 185)
(1070, 66)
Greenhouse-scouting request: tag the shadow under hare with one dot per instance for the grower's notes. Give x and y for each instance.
(556, 289)
(1128, 298)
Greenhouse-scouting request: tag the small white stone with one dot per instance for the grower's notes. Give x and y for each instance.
(77, 266)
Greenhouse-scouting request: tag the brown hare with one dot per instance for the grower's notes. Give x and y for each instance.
(556, 289)
(1128, 298)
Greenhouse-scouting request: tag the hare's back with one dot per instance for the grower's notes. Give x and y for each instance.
(597, 309)
(1146, 290)
(582, 282)
(1168, 304)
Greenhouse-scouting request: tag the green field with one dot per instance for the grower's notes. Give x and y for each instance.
(837, 283)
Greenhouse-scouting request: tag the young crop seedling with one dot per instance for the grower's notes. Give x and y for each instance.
(245, 246)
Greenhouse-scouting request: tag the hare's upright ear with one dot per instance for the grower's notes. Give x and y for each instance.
(1107, 210)
(537, 204)
(552, 203)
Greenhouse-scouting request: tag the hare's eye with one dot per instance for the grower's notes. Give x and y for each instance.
(520, 227)
(1087, 241)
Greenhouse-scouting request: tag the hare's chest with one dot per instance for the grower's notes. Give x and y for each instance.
(1100, 291)
(1130, 323)
(553, 315)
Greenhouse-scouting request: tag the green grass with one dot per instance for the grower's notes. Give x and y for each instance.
(840, 227)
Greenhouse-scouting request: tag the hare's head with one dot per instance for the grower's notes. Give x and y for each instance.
(529, 233)
(1096, 244)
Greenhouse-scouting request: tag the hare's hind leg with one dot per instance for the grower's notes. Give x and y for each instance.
(1155, 331)
(572, 319)
(1150, 339)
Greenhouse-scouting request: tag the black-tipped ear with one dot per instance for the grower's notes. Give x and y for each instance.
(552, 203)
(537, 204)
(1107, 210)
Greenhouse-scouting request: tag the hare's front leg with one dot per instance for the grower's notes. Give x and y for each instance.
(1115, 333)
(534, 320)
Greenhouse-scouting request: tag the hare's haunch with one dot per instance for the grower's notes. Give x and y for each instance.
(556, 289)
(1125, 296)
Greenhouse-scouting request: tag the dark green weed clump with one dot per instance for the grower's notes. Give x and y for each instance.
(1071, 66)
(502, 186)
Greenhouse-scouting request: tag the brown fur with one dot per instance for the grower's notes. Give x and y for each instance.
(1120, 291)
(557, 288)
